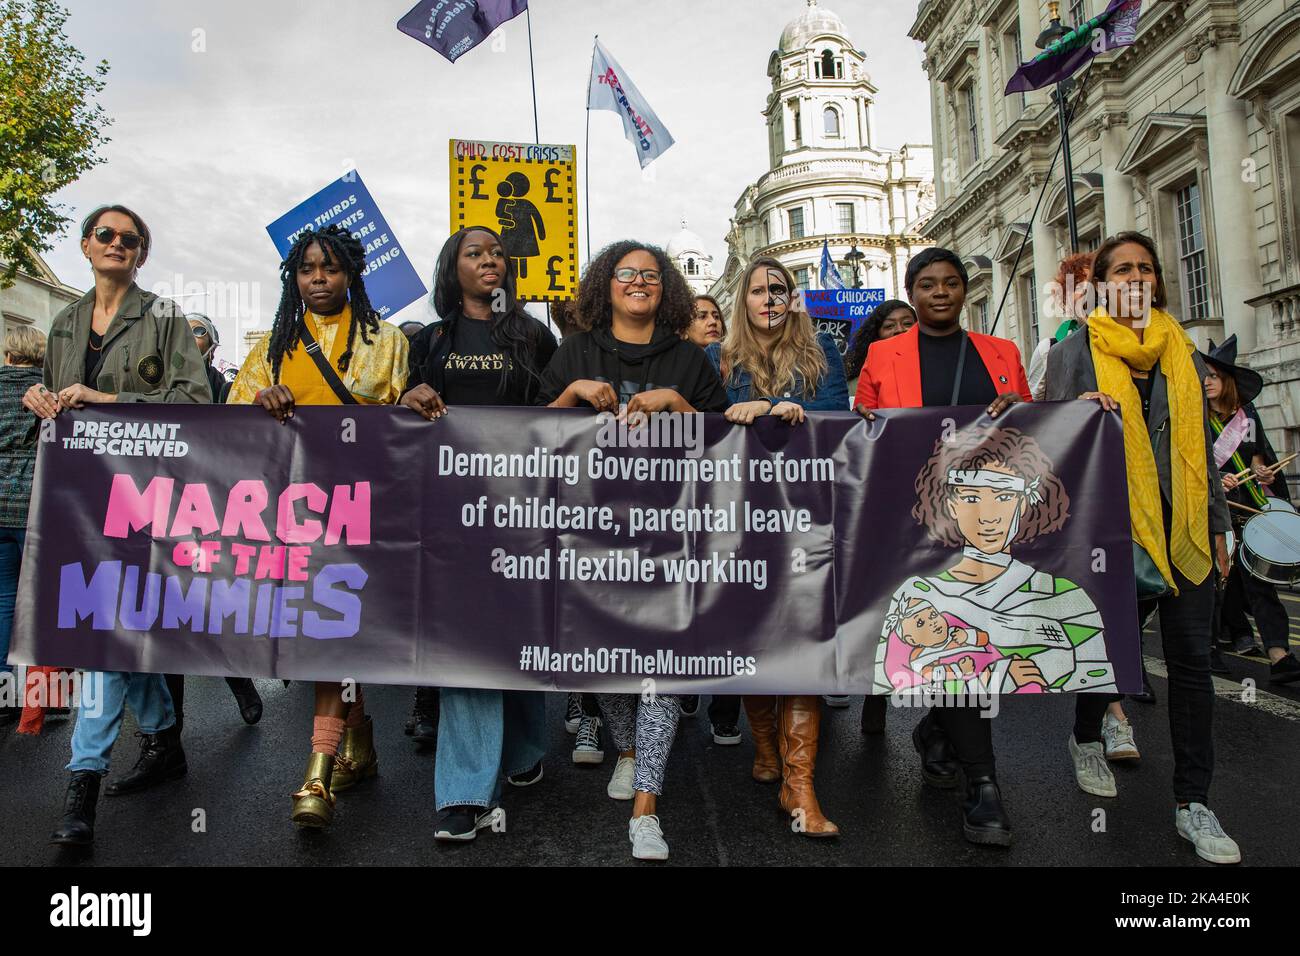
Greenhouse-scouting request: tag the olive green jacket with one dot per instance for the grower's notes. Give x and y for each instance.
(149, 353)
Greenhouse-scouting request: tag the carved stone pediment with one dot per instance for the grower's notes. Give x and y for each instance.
(1158, 136)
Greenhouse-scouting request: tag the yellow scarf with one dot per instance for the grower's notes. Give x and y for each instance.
(1116, 350)
(300, 373)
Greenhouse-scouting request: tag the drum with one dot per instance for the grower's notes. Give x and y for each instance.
(1270, 546)
(1277, 504)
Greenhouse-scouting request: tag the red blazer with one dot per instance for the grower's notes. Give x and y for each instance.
(891, 377)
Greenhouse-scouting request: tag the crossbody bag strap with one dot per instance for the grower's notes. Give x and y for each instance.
(327, 371)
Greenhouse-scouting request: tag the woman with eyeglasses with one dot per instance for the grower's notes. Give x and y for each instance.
(118, 343)
(635, 307)
(774, 362)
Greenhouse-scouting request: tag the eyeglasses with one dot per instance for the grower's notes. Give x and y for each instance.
(651, 276)
(106, 235)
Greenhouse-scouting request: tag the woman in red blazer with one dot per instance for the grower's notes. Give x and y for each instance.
(937, 363)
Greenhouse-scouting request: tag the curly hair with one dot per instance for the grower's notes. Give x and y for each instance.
(868, 332)
(596, 307)
(975, 448)
(336, 243)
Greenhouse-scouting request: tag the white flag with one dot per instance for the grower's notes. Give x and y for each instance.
(611, 89)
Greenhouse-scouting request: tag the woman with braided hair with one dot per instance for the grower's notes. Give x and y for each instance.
(361, 360)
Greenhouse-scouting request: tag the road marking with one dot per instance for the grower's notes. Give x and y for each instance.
(1231, 690)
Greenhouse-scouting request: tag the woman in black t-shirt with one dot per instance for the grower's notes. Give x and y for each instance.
(485, 350)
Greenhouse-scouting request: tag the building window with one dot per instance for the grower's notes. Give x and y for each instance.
(803, 278)
(1015, 56)
(846, 275)
(980, 316)
(831, 119)
(1191, 252)
(1031, 307)
(844, 217)
(1078, 12)
(690, 267)
(794, 116)
(796, 224)
(972, 122)
(828, 67)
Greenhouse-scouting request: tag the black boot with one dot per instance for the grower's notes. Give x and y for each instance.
(1217, 664)
(247, 697)
(77, 828)
(937, 766)
(423, 724)
(874, 708)
(984, 820)
(161, 758)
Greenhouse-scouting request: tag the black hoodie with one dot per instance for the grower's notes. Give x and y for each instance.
(667, 361)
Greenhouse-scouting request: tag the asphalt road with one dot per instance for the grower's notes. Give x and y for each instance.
(713, 814)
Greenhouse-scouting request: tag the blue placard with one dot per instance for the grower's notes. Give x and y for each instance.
(854, 304)
(391, 281)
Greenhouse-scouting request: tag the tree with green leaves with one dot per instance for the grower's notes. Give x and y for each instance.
(51, 128)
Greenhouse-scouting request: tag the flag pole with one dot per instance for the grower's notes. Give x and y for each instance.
(532, 74)
(586, 158)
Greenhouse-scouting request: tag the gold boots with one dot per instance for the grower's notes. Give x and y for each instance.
(313, 805)
(761, 712)
(357, 759)
(799, 722)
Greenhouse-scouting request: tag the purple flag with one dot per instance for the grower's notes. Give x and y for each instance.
(1114, 27)
(453, 27)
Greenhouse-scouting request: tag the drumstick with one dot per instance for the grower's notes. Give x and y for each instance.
(1254, 511)
(1285, 461)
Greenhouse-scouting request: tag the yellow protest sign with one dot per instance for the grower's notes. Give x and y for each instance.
(526, 193)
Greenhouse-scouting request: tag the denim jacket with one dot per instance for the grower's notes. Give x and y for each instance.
(831, 395)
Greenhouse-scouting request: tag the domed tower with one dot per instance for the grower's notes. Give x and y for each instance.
(686, 250)
(821, 95)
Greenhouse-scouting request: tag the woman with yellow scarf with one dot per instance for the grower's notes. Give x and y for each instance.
(1133, 357)
(324, 303)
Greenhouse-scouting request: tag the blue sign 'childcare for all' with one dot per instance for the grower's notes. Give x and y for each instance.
(839, 312)
(391, 280)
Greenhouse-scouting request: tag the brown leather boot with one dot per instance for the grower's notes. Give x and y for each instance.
(761, 712)
(800, 720)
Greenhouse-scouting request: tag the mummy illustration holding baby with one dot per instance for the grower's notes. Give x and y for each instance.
(989, 623)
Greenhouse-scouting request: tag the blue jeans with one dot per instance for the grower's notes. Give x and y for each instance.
(481, 735)
(99, 724)
(11, 556)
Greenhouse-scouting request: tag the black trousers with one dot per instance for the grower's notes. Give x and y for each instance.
(969, 733)
(1247, 593)
(176, 687)
(1185, 625)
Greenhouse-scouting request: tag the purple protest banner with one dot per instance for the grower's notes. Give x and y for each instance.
(556, 549)
(454, 27)
(1114, 27)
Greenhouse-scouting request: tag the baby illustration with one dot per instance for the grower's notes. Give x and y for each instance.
(940, 650)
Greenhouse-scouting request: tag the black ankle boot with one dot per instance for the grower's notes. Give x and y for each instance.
(77, 828)
(937, 766)
(423, 725)
(874, 708)
(161, 759)
(247, 697)
(984, 819)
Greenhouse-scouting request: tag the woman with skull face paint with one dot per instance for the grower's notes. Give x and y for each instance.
(937, 363)
(773, 362)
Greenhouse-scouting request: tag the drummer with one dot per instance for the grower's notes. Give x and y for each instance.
(1230, 389)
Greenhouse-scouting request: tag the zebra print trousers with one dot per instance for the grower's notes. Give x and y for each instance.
(646, 725)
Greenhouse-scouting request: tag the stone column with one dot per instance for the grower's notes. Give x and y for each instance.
(1235, 243)
(1117, 189)
(1030, 27)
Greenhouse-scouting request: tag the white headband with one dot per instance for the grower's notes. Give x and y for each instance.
(1001, 481)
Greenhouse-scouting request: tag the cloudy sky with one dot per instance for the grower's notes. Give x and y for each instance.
(227, 115)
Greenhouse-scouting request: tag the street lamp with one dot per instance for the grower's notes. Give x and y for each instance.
(1054, 32)
(854, 258)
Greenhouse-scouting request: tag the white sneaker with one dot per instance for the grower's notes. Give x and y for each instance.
(1090, 769)
(586, 749)
(647, 838)
(1197, 823)
(1117, 735)
(836, 700)
(620, 785)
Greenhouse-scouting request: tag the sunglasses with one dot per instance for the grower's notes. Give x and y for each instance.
(651, 276)
(106, 235)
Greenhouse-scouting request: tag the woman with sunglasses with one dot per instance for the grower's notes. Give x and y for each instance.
(118, 343)
(774, 362)
(635, 306)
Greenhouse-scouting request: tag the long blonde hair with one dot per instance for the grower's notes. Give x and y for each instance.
(794, 351)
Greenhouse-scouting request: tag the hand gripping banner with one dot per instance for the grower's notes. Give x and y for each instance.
(931, 550)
